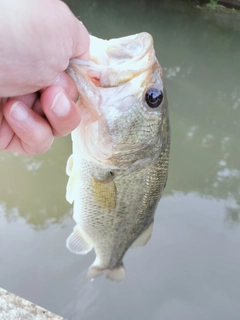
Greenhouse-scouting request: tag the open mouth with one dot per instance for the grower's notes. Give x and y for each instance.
(116, 61)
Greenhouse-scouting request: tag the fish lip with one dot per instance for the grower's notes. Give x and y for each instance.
(142, 65)
(88, 92)
(111, 73)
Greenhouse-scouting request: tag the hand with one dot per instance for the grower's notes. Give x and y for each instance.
(38, 97)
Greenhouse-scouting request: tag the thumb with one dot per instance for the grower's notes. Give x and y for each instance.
(81, 42)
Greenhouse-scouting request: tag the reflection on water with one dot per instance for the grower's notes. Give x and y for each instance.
(191, 266)
(34, 187)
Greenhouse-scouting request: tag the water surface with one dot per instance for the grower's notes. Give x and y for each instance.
(190, 268)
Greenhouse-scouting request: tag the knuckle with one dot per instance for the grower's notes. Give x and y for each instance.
(40, 143)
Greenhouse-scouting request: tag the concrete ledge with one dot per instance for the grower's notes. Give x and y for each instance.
(15, 308)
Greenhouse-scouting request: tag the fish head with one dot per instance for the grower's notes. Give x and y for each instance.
(123, 102)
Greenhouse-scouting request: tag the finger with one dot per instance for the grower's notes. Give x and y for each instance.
(31, 100)
(33, 134)
(82, 42)
(37, 107)
(66, 82)
(62, 113)
(27, 99)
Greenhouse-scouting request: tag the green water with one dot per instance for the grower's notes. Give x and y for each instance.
(190, 268)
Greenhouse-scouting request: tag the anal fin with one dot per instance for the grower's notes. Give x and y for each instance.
(76, 243)
(143, 238)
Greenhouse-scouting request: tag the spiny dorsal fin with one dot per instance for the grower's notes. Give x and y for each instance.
(143, 238)
(76, 243)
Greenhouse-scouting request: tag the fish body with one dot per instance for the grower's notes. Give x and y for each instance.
(118, 168)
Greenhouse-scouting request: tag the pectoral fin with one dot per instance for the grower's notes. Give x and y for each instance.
(143, 238)
(76, 242)
(104, 193)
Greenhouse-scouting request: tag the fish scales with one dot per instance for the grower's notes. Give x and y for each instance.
(118, 169)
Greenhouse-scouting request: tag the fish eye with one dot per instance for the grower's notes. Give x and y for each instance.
(154, 97)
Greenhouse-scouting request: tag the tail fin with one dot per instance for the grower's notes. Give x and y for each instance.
(93, 272)
(117, 274)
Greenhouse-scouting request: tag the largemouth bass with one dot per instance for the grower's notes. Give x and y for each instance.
(118, 168)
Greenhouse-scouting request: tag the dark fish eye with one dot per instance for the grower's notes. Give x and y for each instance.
(153, 97)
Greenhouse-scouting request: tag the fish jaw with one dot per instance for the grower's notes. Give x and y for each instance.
(124, 58)
(125, 68)
(117, 61)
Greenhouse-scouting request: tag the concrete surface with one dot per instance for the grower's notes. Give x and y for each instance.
(13, 307)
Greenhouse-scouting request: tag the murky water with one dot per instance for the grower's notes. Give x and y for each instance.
(190, 268)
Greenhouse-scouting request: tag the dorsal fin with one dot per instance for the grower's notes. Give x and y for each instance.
(143, 238)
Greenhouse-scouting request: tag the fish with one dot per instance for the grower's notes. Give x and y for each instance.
(120, 150)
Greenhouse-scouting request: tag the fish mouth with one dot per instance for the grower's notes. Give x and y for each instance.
(123, 59)
(117, 70)
(117, 61)
(113, 63)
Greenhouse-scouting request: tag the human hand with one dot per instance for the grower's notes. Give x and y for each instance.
(38, 98)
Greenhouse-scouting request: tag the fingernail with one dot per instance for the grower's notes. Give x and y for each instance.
(61, 105)
(18, 112)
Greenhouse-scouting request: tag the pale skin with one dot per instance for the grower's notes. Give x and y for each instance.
(37, 97)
